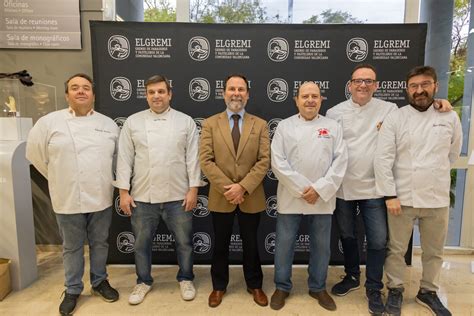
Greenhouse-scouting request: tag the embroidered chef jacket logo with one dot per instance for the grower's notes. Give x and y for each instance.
(323, 133)
(379, 125)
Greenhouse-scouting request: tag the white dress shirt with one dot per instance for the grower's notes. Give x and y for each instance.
(75, 154)
(308, 153)
(415, 152)
(159, 154)
(361, 126)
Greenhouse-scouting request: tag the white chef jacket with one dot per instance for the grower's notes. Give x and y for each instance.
(159, 154)
(415, 152)
(75, 154)
(308, 153)
(361, 126)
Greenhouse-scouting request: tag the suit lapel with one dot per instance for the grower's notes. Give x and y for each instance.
(224, 127)
(246, 129)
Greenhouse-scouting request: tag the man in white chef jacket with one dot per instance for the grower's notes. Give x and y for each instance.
(158, 161)
(74, 150)
(361, 117)
(309, 158)
(416, 149)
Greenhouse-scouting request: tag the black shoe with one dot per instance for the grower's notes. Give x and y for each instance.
(394, 302)
(376, 306)
(348, 283)
(430, 300)
(68, 304)
(105, 291)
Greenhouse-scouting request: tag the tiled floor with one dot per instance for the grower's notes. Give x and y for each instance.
(43, 297)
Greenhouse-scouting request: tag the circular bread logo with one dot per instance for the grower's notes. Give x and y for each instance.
(271, 175)
(119, 47)
(201, 242)
(272, 125)
(201, 207)
(198, 121)
(117, 207)
(120, 88)
(199, 89)
(126, 242)
(272, 206)
(357, 49)
(277, 49)
(199, 48)
(270, 243)
(347, 92)
(277, 90)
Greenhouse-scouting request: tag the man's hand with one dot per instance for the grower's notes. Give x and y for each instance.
(190, 200)
(310, 195)
(235, 193)
(126, 202)
(393, 206)
(442, 105)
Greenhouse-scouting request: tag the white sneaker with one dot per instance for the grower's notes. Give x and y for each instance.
(188, 292)
(138, 293)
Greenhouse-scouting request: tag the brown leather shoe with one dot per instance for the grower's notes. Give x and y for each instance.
(215, 298)
(278, 299)
(259, 296)
(324, 299)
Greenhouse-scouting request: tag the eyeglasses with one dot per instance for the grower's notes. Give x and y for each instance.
(423, 85)
(368, 82)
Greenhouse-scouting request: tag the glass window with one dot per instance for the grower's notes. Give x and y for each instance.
(297, 11)
(160, 11)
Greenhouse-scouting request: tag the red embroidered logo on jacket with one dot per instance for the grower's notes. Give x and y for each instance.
(323, 132)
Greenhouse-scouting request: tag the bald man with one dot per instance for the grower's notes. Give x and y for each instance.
(309, 158)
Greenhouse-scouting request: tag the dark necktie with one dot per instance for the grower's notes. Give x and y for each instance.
(235, 131)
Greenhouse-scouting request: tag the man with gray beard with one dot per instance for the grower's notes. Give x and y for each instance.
(235, 157)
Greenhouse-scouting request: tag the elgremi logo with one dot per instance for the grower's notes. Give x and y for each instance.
(270, 243)
(201, 207)
(278, 49)
(277, 90)
(272, 206)
(119, 47)
(357, 49)
(120, 88)
(199, 48)
(126, 242)
(199, 89)
(201, 242)
(271, 175)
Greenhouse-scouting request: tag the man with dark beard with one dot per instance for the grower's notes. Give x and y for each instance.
(416, 149)
(235, 157)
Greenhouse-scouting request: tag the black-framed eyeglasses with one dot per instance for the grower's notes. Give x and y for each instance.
(423, 85)
(368, 82)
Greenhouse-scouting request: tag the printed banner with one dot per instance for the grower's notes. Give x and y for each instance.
(276, 59)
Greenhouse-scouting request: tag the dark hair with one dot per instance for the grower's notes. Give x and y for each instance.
(368, 66)
(81, 75)
(238, 76)
(422, 70)
(157, 79)
(298, 89)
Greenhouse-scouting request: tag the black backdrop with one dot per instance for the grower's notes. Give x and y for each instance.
(276, 59)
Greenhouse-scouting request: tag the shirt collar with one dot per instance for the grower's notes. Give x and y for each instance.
(305, 120)
(73, 113)
(230, 113)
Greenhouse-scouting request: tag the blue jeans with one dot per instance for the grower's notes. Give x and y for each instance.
(74, 230)
(319, 227)
(374, 215)
(145, 220)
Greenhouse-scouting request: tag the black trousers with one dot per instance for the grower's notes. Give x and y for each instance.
(248, 226)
